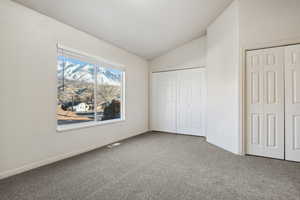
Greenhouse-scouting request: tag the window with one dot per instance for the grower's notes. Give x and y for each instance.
(89, 91)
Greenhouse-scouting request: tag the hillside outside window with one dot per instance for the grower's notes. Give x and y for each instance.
(89, 91)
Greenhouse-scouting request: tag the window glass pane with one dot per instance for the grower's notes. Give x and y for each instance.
(75, 99)
(109, 93)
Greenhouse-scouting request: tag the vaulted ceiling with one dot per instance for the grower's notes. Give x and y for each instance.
(147, 28)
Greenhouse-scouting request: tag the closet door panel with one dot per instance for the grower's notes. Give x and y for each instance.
(164, 92)
(191, 102)
(265, 102)
(292, 102)
(184, 108)
(255, 101)
(274, 102)
(154, 102)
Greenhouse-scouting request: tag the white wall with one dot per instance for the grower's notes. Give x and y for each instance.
(223, 79)
(28, 78)
(268, 21)
(255, 23)
(191, 54)
(28, 136)
(245, 24)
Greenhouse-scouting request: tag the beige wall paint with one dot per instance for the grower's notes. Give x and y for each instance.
(244, 24)
(191, 54)
(264, 23)
(28, 80)
(28, 136)
(261, 23)
(222, 80)
(268, 21)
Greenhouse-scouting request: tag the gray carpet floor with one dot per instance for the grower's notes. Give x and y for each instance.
(158, 166)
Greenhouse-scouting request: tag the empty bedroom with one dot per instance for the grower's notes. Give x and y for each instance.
(150, 100)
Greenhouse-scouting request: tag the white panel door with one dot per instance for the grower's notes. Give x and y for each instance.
(292, 102)
(191, 102)
(265, 102)
(164, 89)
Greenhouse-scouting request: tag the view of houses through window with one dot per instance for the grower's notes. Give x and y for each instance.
(87, 92)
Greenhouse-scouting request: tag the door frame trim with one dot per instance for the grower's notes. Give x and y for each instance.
(242, 83)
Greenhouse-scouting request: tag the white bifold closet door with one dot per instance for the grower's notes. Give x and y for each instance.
(292, 102)
(164, 102)
(178, 101)
(191, 102)
(273, 102)
(265, 103)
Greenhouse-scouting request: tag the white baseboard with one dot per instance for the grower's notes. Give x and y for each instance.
(34, 165)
